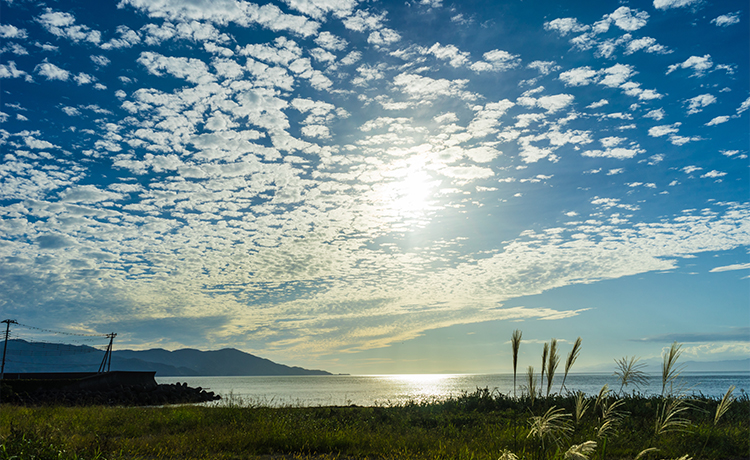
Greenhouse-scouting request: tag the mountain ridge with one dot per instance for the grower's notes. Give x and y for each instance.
(23, 356)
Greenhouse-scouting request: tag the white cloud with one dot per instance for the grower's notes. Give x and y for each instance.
(727, 268)
(596, 105)
(417, 86)
(617, 75)
(497, 60)
(51, 71)
(319, 9)
(697, 63)
(634, 89)
(744, 106)
(363, 20)
(627, 19)
(101, 61)
(351, 58)
(190, 69)
(128, 38)
(656, 114)
(682, 140)
(647, 44)
(718, 120)
(697, 103)
(71, 111)
(83, 79)
(663, 130)
(331, 42)
(552, 103)
(714, 174)
(384, 36)
(450, 53)
(88, 194)
(726, 20)
(611, 141)
(544, 67)
(10, 71)
(316, 131)
(225, 11)
(33, 143)
(667, 4)
(565, 26)
(11, 31)
(63, 25)
(580, 76)
(617, 153)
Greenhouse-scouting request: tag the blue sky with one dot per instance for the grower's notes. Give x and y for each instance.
(379, 186)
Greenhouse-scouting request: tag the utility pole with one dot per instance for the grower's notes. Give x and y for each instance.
(7, 322)
(107, 361)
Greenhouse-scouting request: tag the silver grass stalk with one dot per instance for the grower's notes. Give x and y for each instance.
(602, 396)
(531, 381)
(669, 417)
(507, 455)
(723, 406)
(582, 405)
(515, 343)
(572, 356)
(552, 426)
(669, 369)
(554, 360)
(545, 352)
(646, 451)
(611, 418)
(580, 451)
(630, 371)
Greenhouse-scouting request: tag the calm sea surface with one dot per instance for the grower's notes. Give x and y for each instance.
(370, 390)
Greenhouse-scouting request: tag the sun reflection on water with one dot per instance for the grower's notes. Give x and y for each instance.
(423, 386)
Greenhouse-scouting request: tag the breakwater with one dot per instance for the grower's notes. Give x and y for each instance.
(110, 388)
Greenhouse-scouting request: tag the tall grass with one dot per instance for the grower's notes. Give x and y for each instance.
(630, 372)
(724, 405)
(670, 371)
(670, 416)
(554, 360)
(531, 384)
(572, 356)
(545, 352)
(515, 343)
(554, 427)
(470, 426)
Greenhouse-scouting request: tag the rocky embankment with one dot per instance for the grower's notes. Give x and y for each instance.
(123, 395)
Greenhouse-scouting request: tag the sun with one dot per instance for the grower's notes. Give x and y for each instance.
(413, 192)
(405, 195)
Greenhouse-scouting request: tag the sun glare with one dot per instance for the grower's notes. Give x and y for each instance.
(413, 192)
(408, 195)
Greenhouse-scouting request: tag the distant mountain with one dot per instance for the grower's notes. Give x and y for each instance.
(25, 356)
(227, 361)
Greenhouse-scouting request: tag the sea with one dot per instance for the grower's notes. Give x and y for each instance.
(387, 390)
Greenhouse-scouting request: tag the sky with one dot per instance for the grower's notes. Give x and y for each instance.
(373, 187)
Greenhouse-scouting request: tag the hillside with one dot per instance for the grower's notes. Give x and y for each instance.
(25, 356)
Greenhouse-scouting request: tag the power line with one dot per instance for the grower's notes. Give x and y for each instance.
(50, 331)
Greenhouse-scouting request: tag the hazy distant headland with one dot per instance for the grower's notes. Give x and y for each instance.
(26, 356)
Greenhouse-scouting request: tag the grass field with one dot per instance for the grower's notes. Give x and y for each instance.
(480, 425)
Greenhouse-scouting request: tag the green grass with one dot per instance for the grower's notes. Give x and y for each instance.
(480, 425)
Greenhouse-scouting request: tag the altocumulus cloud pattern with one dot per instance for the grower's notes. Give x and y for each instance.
(313, 177)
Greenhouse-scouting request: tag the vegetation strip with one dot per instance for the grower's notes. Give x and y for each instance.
(480, 425)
